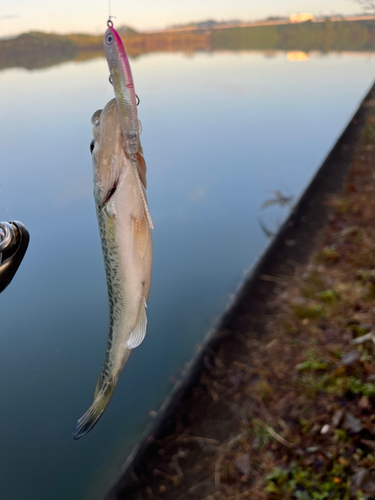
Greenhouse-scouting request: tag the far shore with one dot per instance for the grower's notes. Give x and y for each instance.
(354, 34)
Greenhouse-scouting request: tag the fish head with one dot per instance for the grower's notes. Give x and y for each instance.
(106, 148)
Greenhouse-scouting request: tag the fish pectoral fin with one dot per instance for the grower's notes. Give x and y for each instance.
(96, 410)
(138, 334)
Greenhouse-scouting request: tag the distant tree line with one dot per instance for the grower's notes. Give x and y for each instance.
(325, 37)
(35, 50)
(367, 4)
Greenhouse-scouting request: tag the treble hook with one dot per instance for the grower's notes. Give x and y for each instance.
(138, 99)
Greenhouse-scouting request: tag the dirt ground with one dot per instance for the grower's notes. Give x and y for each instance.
(286, 409)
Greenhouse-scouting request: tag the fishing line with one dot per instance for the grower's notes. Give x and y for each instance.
(110, 17)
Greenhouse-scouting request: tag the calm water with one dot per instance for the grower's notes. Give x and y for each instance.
(221, 132)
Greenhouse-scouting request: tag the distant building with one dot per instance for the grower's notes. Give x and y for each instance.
(301, 18)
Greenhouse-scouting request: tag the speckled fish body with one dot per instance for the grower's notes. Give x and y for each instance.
(122, 81)
(125, 233)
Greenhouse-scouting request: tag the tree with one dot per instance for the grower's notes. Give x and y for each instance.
(367, 4)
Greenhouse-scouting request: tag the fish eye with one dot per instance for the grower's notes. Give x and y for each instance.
(92, 145)
(110, 39)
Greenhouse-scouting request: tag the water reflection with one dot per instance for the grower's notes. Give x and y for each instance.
(279, 199)
(297, 56)
(267, 232)
(280, 205)
(38, 61)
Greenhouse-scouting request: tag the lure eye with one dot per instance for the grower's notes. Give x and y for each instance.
(92, 145)
(110, 39)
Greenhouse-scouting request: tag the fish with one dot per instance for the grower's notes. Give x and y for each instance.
(126, 238)
(122, 80)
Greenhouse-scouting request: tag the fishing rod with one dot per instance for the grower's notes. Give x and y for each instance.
(14, 240)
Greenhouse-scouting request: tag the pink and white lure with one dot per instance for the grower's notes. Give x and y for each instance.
(122, 80)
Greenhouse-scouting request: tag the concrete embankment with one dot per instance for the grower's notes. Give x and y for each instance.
(272, 396)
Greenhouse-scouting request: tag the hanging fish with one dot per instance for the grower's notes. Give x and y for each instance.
(125, 233)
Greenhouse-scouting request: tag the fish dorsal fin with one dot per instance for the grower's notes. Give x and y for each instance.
(138, 334)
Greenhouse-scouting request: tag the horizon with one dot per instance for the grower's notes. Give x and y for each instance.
(89, 17)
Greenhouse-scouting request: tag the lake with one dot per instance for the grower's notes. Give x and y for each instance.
(222, 131)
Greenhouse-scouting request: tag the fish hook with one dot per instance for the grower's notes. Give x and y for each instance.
(110, 79)
(138, 99)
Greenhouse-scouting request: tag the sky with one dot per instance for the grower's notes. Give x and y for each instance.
(89, 16)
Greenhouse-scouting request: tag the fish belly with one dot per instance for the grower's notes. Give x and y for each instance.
(128, 263)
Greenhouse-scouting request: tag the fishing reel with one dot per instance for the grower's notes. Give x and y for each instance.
(14, 240)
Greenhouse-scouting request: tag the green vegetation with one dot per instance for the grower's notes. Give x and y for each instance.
(369, 135)
(303, 483)
(308, 36)
(303, 311)
(36, 50)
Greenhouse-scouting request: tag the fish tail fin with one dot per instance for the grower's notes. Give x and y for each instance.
(99, 385)
(96, 410)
